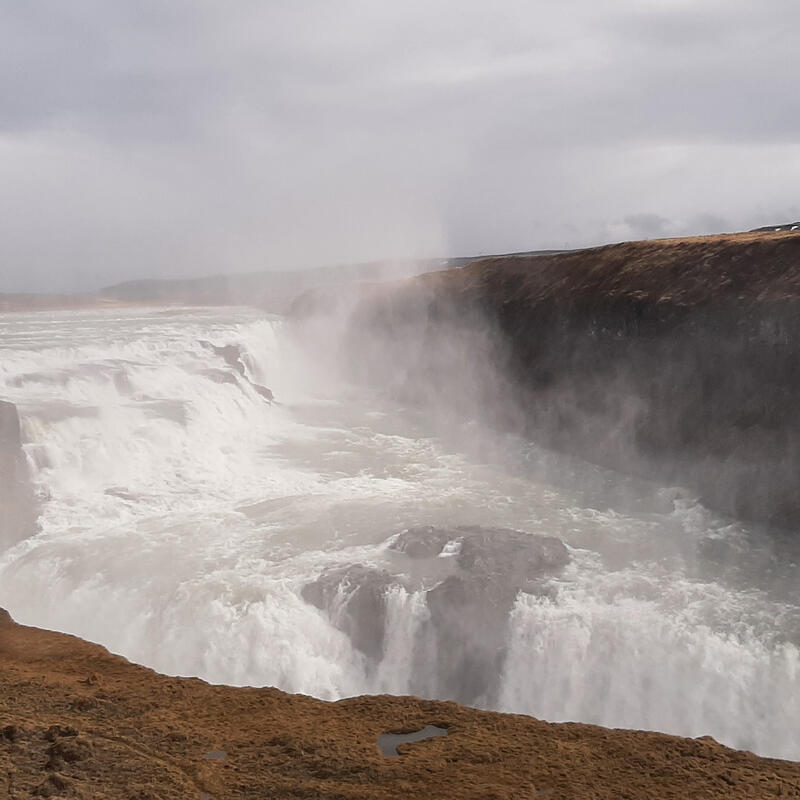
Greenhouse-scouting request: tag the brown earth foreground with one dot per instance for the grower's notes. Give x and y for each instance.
(76, 721)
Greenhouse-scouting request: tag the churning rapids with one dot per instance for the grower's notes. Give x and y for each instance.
(184, 514)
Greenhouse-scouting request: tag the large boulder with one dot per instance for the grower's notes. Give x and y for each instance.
(517, 556)
(263, 391)
(235, 358)
(354, 598)
(18, 506)
(469, 608)
(231, 354)
(423, 541)
(473, 576)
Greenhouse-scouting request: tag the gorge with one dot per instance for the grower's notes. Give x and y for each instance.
(560, 485)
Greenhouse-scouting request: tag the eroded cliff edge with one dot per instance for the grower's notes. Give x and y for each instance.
(673, 359)
(19, 508)
(76, 721)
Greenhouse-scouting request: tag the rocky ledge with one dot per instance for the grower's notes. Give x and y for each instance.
(19, 508)
(78, 722)
(675, 360)
(468, 577)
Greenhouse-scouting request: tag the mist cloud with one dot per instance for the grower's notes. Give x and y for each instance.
(194, 137)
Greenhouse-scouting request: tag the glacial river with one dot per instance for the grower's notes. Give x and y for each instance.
(182, 515)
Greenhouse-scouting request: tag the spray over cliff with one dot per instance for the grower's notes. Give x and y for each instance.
(673, 359)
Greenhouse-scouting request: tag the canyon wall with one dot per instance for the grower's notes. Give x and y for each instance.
(18, 506)
(676, 359)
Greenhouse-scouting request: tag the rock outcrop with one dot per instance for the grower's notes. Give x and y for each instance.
(354, 596)
(469, 591)
(675, 359)
(470, 608)
(233, 356)
(18, 506)
(78, 722)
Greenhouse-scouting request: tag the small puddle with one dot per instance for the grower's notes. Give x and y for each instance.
(387, 742)
(216, 755)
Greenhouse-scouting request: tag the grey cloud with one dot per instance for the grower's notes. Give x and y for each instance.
(648, 226)
(149, 138)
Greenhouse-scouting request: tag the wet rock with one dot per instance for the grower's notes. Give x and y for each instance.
(468, 616)
(517, 556)
(221, 376)
(469, 609)
(18, 505)
(263, 391)
(354, 597)
(469, 602)
(231, 354)
(423, 541)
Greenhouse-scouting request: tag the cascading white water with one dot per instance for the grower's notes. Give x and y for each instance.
(185, 514)
(405, 614)
(632, 653)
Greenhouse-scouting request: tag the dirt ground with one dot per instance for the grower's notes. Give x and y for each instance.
(741, 268)
(78, 722)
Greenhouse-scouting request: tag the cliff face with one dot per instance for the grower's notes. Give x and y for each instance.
(677, 359)
(78, 722)
(18, 507)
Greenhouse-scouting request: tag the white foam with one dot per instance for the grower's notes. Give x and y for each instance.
(184, 516)
(661, 656)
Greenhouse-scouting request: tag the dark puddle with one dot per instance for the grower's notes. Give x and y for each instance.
(387, 742)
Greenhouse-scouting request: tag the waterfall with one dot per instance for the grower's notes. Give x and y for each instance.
(183, 515)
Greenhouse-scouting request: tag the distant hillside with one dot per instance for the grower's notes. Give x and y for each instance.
(271, 291)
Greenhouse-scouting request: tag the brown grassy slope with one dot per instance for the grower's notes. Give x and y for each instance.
(683, 272)
(76, 721)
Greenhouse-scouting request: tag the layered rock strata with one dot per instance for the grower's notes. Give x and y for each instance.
(18, 504)
(676, 359)
(469, 578)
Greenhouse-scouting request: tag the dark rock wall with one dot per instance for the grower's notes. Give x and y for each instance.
(460, 650)
(705, 397)
(679, 361)
(18, 507)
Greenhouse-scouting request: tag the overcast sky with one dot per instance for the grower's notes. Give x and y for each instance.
(182, 137)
